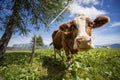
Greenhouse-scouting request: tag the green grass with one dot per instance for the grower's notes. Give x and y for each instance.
(97, 64)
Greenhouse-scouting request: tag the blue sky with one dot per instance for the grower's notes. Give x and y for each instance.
(108, 34)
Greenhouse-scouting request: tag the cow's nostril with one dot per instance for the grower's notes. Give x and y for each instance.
(78, 40)
(89, 40)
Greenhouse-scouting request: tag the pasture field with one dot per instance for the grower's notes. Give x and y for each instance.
(97, 64)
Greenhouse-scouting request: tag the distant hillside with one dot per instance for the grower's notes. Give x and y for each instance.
(117, 45)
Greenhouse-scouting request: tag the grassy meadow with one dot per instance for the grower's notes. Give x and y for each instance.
(97, 64)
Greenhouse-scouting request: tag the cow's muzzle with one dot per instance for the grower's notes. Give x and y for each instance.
(83, 43)
(83, 40)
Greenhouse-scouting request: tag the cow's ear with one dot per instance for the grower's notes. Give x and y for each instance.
(100, 21)
(63, 27)
(73, 25)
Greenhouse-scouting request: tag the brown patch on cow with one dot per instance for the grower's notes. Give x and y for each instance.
(89, 25)
(89, 30)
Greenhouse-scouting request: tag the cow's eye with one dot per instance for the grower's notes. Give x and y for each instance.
(66, 27)
(90, 24)
(73, 26)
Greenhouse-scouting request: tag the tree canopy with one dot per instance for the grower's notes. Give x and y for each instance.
(35, 13)
(39, 40)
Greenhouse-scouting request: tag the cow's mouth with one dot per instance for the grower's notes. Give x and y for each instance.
(85, 49)
(84, 46)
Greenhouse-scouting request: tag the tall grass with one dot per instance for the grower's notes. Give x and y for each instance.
(97, 64)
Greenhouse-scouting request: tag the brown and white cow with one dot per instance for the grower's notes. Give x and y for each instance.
(75, 35)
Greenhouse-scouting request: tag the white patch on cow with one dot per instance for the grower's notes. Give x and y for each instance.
(81, 25)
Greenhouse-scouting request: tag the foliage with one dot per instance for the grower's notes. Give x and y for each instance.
(97, 64)
(39, 41)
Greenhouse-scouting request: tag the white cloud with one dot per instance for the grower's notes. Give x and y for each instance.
(116, 24)
(92, 12)
(87, 2)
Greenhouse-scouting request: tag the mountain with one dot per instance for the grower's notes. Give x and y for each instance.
(117, 45)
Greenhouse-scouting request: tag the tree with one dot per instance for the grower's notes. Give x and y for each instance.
(17, 15)
(33, 49)
(39, 41)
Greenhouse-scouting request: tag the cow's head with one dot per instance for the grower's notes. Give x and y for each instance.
(85, 25)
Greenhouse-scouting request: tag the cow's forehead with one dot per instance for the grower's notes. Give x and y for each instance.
(80, 21)
(81, 16)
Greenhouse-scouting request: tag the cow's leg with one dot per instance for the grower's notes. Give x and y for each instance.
(60, 54)
(55, 51)
(68, 55)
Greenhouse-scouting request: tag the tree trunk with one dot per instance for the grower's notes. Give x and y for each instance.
(5, 39)
(13, 21)
(33, 50)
